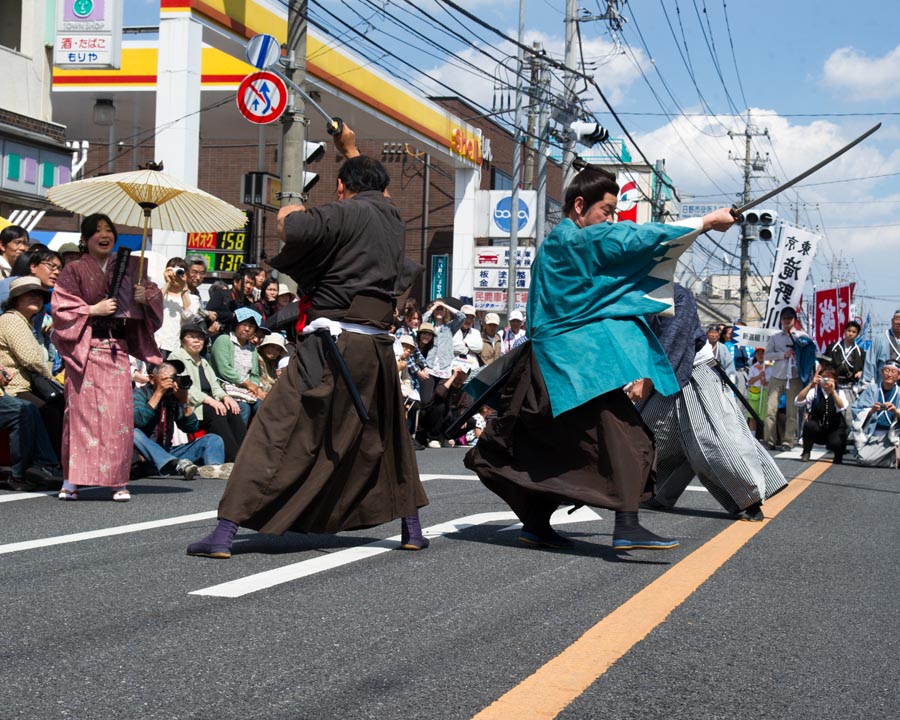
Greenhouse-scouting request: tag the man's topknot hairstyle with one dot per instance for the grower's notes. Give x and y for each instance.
(363, 173)
(592, 184)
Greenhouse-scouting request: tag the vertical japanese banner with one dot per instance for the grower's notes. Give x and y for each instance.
(796, 250)
(827, 325)
(845, 300)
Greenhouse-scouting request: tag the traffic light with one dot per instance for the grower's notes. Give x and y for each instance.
(763, 222)
(589, 133)
(312, 151)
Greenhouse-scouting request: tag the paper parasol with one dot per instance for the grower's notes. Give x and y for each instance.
(148, 198)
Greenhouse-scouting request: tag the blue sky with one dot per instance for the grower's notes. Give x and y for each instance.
(815, 75)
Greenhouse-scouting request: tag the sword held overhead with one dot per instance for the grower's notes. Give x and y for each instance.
(738, 212)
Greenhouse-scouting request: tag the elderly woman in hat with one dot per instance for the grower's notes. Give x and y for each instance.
(235, 359)
(217, 412)
(20, 350)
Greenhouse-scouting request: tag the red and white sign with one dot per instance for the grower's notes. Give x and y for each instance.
(262, 97)
(832, 313)
(628, 202)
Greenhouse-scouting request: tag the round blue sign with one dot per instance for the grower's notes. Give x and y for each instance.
(502, 214)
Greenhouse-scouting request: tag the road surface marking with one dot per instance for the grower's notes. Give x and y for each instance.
(270, 578)
(555, 685)
(563, 516)
(105, 532)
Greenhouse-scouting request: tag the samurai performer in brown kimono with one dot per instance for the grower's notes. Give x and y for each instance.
(329, 449)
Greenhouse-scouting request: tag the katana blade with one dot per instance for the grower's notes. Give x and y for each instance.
(737, 212)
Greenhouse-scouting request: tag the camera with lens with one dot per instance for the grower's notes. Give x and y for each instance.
(179, 272)
(184, 382)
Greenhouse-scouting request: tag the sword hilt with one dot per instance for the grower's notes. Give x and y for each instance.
(738, 216)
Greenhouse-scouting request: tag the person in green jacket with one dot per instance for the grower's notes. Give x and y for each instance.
(236, 362)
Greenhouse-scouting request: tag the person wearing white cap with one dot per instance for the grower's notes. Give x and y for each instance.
(493, 344)
(467, 342)
(513, 332)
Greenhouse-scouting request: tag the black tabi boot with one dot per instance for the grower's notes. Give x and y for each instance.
(537, 531)
(411, 537)
(217, 544)
(630, 535)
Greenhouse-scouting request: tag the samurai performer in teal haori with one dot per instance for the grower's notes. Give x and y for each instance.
(565, 431)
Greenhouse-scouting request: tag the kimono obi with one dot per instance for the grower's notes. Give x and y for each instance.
(368, 310)
(108, 327)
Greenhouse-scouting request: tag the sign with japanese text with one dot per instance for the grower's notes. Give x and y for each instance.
(832, 312)
(499, 278)
(88, 34)
(754, 337)
(440, 276)
(692, 210)
(796, 250)
(495, 300)
(224, 251)
(497, 256)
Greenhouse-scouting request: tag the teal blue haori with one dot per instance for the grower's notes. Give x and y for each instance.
(590, 289)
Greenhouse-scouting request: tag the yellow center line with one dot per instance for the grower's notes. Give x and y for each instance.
(547, 692)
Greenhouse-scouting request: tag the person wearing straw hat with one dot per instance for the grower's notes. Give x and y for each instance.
(329, 450)
(99, 319)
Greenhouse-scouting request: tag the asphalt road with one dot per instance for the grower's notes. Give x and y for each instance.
(799, 621)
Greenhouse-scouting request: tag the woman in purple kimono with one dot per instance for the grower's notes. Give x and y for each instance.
(95, 333)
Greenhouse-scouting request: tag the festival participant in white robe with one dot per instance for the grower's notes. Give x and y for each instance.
(885, 346)
(876, 424)
(700, 431)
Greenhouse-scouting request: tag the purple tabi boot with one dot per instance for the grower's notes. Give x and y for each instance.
(217, 544)
(411, 537)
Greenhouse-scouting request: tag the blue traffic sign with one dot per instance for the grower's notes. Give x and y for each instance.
(263, 51)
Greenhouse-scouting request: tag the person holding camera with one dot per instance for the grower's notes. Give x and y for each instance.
(825, 407)
(158, 407)
(179, 306)
(448, 401)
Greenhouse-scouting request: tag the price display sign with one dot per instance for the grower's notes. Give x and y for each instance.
(224, 251)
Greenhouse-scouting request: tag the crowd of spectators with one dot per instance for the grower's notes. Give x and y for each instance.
(437, 351)
(222, 352)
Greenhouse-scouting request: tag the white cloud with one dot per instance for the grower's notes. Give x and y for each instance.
(859, 77)
(861, 219)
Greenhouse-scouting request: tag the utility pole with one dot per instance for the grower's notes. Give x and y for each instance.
(293, 128)
(569, 98)
(542, 146)
(533, 105)
(516, 171)
(746, 233)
